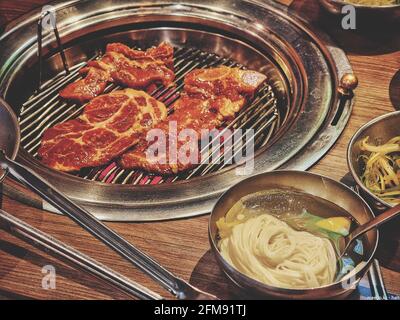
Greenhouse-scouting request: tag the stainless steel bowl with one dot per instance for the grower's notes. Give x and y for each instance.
(318, 192)
(386, 14)
(379, 130)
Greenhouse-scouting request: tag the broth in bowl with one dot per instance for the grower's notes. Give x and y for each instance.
(272, 237)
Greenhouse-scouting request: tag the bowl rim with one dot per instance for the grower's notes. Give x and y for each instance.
(363, 6)
(350, 146)
(291, 291)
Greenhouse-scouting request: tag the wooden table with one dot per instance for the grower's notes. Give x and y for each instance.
(182, 246)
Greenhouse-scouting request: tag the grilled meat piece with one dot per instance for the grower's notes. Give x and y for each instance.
(125, 66)
(210, 98)
(108, 126)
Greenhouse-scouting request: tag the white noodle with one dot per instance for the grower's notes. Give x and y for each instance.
(269, 250)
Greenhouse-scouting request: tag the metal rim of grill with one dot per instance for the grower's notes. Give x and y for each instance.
(297, 116)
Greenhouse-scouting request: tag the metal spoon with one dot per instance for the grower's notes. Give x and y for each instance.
(384, 217)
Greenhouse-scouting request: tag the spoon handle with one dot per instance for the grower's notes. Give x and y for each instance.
(377, 221)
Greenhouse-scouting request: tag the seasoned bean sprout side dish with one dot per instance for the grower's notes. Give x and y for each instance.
(381, 168)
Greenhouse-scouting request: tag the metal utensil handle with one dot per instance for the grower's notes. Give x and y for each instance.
(40, 46)
(57, 248)
(381, 282)
(93, 225)
(377, 221)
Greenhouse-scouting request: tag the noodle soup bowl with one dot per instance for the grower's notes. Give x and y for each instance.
(379, 130)
(314, 193)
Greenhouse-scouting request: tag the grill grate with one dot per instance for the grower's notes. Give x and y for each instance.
(45, 108)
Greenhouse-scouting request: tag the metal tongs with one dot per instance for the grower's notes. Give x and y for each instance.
(68, 254)
(176, 286)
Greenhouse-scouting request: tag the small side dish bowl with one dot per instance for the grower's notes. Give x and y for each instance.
(385, 14)
(316, 192)
(379, 130)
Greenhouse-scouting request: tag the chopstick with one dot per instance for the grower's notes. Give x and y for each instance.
(377, 285)
(68, 254)
(378, 288)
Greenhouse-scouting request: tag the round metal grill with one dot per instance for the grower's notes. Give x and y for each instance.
(296, 117)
